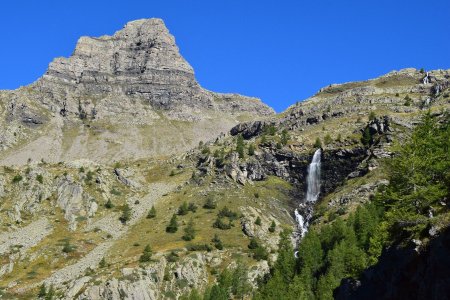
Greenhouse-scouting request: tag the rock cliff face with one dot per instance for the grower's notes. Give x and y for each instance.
(141, 61)
(128, 92)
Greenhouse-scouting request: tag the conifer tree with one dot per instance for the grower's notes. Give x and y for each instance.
(173, 224)
(152, 213)
(189, 231)
(146, 254)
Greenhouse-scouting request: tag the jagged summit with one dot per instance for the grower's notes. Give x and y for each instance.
(119, 96)
(140, 60)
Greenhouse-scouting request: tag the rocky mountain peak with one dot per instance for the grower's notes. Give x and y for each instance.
(141, 59)
(129, 90)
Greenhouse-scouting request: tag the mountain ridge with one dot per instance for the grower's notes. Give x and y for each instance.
(132, 88)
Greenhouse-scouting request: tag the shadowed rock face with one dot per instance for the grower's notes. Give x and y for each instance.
(402, 273)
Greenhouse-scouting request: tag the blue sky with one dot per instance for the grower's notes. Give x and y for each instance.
(279, 51)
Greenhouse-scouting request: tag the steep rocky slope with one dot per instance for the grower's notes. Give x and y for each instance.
(114, 130)
(130, 95)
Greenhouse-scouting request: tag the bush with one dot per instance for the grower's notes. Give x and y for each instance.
(339, 138)
(17, 179)
(50, 293)
(68, 248)
(317, 143)
(327, 140)
(152, 213)
(89, 176)
(192, 207)
(146, 254)
(260, 253)
(219, 223)
(115, 192)
(183, 209)
(263, 139)
(226, 212)
(270, 130)
(199, 247)
(173, 225)
(408, 101)
(209, 204)
(109, 204)
(126, 214)
(372, 116)
(217, 242)
(40, 178)
(258, 221)
(172, 257)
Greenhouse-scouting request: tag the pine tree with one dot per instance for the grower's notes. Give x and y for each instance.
(126, 214)
(251, 149)
(50, 293)
(146, 254)
(272, 227)
(183, 209)
(263, 138)
(192, 207)
(42, 291)
(109, 204)
(217, 242)
(284, 137)
(152, 213)
(173, 225)
(366, 138)
(189, 231)
(102, 263)
(209, 204)
(240, 146)
(258, 221)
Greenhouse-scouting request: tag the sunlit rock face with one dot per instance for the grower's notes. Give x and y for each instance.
(141, 59)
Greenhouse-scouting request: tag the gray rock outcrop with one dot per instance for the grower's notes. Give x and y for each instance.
(141, 61)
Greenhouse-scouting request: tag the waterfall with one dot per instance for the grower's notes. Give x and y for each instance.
(313, 178)
(312, 193)
(426, 80)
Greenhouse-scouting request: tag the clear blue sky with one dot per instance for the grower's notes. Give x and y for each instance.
(279, 51)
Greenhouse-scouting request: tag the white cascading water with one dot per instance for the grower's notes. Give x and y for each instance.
(313, 178)
(312, 192)
(426, 80)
